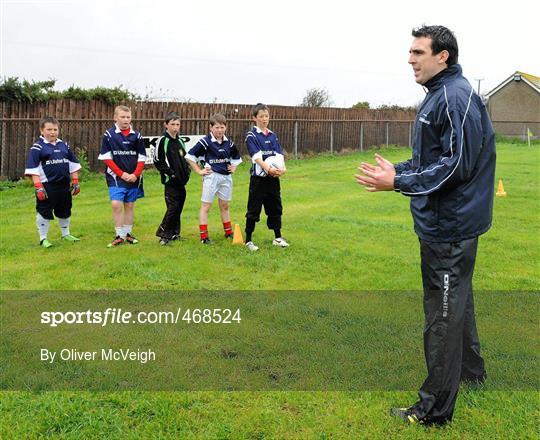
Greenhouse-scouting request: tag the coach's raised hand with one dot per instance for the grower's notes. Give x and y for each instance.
(379, 177)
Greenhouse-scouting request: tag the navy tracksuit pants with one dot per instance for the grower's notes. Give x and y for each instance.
(451, 344)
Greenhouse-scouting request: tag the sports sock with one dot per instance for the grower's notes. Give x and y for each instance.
(119, 230)
(203, 230)
(277, 233)
(127, 229)
(250, 227)
(227, 227)
(64, 225)
(42, 226)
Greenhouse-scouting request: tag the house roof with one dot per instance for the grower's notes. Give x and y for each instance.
(527, 78)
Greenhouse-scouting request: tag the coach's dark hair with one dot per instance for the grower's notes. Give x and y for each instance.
(48, 120)
(257, 108)
(441, 39)
(171, 116)
(217, 118)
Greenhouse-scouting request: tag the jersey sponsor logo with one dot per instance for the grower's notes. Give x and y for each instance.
(216, 161)
(124, 153)
(56, 161)
(268, 152)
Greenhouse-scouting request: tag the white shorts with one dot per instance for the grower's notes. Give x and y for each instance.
(216, 184)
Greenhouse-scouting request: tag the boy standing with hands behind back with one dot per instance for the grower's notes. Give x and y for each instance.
(122, 150)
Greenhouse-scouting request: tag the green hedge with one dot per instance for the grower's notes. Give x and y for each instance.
(14, 90)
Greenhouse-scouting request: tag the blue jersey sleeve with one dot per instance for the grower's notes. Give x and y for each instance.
(33, 160)
(235, 154)
(106, 151)
(253, 147)
(74, 164)
(198, 151)
(140, 148)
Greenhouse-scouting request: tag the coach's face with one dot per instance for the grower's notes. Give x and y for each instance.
(425, 64)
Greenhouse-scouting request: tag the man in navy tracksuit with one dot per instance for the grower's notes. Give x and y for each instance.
(450, 180)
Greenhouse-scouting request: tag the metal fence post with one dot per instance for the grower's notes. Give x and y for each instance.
(331, 138)
(296, 139)
(361, 136)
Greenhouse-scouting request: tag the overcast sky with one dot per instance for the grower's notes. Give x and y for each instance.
(250, 51)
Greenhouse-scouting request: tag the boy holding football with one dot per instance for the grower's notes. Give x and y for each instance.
(264, 185)
(122, 150)
(53, 166)
(221, 157)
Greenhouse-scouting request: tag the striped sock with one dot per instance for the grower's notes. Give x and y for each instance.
(203, 230)
(227, 227)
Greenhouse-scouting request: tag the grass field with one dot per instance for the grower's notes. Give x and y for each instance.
(342, 238)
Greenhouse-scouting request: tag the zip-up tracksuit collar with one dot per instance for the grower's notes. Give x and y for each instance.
(166, 133)
(439, 79)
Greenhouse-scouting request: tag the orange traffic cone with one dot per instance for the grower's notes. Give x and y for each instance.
(500, 190)
(237, 238)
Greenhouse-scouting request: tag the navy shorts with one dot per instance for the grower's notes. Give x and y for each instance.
(58, 201)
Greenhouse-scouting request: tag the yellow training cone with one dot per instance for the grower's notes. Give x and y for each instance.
(237, 238)
(500, 190)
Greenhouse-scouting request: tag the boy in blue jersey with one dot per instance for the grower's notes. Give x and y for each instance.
(221, 157)
(122, 150)
(54, 170)
(264, 185)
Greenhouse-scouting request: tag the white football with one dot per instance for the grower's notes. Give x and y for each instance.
(275, 162)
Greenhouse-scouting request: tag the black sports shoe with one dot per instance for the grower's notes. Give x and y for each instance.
(406, 414)
(229, 236)
(131, 239)
(116, 242)
(206, 241)
(164, 242)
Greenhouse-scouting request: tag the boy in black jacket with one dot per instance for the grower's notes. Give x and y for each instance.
(169, 160)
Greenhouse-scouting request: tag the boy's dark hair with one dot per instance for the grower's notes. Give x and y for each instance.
(218, 118)
(171, 116)
(441, 39)
(48, 120)
(257, 108)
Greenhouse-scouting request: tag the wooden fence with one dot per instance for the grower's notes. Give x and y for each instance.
(301, 130)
